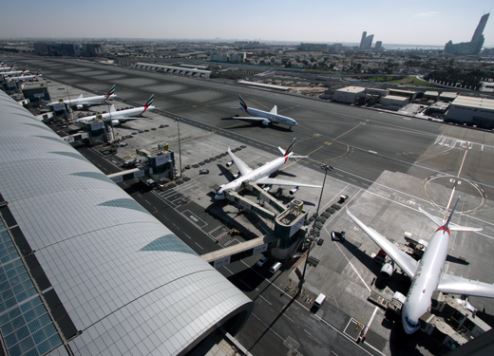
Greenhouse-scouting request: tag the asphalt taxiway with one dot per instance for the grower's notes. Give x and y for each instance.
(403, 161)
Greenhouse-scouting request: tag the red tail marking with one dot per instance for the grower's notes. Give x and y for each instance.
(443, 228)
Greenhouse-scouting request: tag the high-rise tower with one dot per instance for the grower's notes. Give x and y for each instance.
(474, 46)
(478, 34)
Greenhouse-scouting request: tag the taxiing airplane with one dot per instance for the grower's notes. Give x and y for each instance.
(260, 175)
(427, 274)
(80, 102)
(264, 117)
(118, 117)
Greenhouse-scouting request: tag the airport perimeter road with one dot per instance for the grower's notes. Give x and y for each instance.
(361, 143)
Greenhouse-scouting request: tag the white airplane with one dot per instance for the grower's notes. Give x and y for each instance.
(13, 72)
(23, 78)
(117, 117)
(264, 117)
(5, 68)
(427, 274)
(81, 102)
(260, 175)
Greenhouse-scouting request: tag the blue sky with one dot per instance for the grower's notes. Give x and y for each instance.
(406, 22)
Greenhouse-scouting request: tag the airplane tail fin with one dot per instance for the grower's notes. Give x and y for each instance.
(112, 108)
(243, 105)
(111, 91)
(448, 224)
(289, 151)
(148, 102)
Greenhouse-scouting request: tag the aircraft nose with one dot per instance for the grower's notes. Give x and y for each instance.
(410, 322)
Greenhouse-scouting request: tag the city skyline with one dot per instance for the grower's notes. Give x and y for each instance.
(416, 23)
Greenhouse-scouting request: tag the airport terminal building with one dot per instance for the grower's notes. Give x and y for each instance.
(85, 269)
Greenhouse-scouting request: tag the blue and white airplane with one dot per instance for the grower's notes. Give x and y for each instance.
(266, 118)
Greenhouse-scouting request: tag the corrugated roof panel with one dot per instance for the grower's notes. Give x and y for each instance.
(126, 282)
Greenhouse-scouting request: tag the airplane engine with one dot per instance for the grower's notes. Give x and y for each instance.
(229, 163)
(80, 107)
(387, 269)
(265, 122)
(115, 122)
(294, 190)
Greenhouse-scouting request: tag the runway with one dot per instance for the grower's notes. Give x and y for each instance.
(361, 144)
(357, 141)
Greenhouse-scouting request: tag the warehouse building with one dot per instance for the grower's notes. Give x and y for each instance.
(471, 111)
(394, 102)
(85, 269)
(349, 95)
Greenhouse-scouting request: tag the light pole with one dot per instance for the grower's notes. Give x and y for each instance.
(179, 148)
(326, 168)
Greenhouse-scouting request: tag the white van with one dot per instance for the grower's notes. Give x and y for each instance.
(275, 268)
(319, 300)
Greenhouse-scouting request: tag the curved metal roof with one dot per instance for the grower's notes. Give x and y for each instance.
(129, 285)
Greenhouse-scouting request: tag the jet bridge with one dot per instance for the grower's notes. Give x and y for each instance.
(288, 219)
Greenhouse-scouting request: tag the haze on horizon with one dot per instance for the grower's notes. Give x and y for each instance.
(416, 22)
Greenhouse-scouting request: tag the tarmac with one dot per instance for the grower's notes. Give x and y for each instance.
(387, 164)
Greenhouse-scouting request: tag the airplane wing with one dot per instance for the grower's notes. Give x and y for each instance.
(241, 165)
(277, 181)
(274, 110)
(404, 261)
(459, 285)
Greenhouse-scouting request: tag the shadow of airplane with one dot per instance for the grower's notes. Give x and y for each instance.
(397, 282)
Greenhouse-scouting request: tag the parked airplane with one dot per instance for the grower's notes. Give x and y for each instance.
(260, 175)
(117, 117)
(80, 102)
(427, 274)
(23, 78)
(13, 72)
(264, 117)
(5, 68)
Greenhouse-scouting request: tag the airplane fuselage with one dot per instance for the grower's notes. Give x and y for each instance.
(23, 78)
(262, 172)
(426, 280)
(92, 100)
(116, 115)
(12, 72)
(271, 118)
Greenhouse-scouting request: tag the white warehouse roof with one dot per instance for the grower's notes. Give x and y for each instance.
(127, 284)
(352, 89)
(474, 102)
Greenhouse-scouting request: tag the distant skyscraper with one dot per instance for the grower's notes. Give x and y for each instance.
(378, 46)
(474, 46)
(366, 41)
(362, 40)
(478, 34)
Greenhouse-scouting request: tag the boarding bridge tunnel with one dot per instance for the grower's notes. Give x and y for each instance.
(287, 223)
(227, 255)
